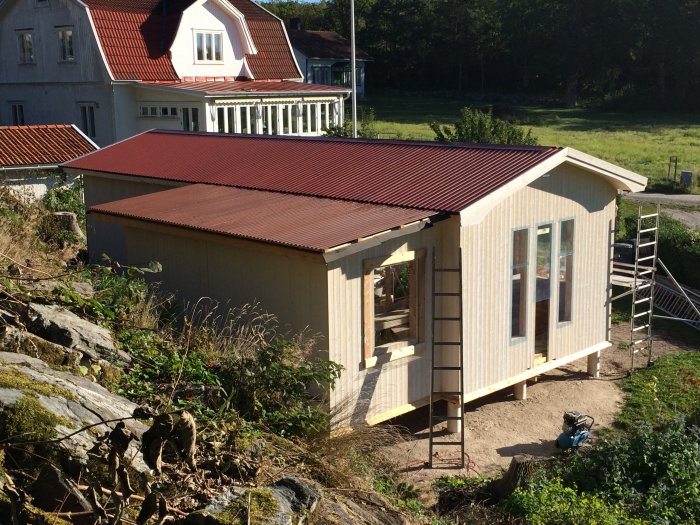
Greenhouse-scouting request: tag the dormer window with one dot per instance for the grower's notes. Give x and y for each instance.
(208, 46)
(25, 41)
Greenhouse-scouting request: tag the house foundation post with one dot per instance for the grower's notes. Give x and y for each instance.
(454, 410)
(520, 390)
(594, 365)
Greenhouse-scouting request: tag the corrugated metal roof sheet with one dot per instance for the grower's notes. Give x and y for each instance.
(41, 145)
(429, 175)
(301, 222)
(323, 44)
(254, 87)
(274, 58)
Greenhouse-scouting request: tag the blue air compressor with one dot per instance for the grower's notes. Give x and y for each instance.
(575, 430)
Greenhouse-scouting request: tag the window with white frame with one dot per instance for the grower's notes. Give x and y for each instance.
(394, 292)
(208, 46)
(17, 113)
(566, 268)
(87, 118)
(519, 273)
(25, 42)
(158, 111)
(66, 51)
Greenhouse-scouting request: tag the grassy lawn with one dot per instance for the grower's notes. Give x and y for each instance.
(641, 142)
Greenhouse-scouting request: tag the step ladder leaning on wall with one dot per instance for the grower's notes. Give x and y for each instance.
(447, 358)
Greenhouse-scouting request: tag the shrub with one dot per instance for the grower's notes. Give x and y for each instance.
(67, 197)
(478, 127)
(366, 129)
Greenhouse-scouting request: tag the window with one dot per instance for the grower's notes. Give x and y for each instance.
(26, 47)
(519, 272)
(209, 46)
(42, 3)
(342, 74)
(87, 118)
(190, 119)
(65, 41)
(17, 114)
(566, 263)
(158, 111)
(321, 75)
(394, 298)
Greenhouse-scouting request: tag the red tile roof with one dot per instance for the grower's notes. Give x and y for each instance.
(301, 222)
(41, 145)
(324, 44)
(274, 58)
(427, 175)
(213, 87)
(136, 36)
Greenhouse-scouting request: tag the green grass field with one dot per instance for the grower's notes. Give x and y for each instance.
(641, 142)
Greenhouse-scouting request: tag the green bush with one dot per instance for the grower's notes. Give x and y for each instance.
(365, 130)
(67, 197)
(479, 127)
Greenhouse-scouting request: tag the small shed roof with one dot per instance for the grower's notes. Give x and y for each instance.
(45, 145)
(307, 223)
(323, 44)
(424, 175)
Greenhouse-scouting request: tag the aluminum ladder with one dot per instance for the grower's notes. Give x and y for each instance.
(643, 289)
(441, 349)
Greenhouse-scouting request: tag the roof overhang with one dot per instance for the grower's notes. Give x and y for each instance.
(620, 178)
(203, 93)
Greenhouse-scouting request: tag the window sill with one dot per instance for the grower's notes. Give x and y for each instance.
(393, 352)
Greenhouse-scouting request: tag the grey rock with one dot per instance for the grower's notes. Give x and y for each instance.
(301, 494)
(86, 403)
(17, 340)
(346, 511)
(63, 327)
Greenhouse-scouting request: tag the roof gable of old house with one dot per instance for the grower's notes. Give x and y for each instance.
(43, 145)
(135, 37)
(324, 45)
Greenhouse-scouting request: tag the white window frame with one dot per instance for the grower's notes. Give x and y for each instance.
(88, 118)
(26, 54)
(66, 49)
(17, 113)
(154, 110)
(208, 47)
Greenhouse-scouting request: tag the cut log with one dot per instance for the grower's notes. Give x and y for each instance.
(520, 471)
(69, 222)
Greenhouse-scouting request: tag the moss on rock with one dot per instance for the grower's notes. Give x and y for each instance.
(28, 420)
(17, 380)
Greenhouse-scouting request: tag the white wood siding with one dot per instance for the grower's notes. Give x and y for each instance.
(490, 355)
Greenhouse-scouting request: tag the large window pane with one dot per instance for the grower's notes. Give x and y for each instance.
(566, 262)
(519, 283)
(544, 262)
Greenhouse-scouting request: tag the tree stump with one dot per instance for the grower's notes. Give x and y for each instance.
(69, 222)
(520, 471)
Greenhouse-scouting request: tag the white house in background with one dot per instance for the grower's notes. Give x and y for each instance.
(340, 240)
(324, 58)
(119, 67)
(30, 156)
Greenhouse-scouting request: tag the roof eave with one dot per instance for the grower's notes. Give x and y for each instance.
(621, 178)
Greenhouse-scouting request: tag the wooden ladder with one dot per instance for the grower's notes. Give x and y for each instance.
(441, 348)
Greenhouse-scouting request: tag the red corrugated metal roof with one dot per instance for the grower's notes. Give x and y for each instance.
(41, 145)
(136, 36)
(274, 58)
(428, 175)
(236, 87)
(323, 44)
(291, 220)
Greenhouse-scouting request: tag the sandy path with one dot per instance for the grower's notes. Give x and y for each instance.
(498, 427)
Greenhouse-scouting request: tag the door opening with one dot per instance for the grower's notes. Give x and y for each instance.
(543, 292)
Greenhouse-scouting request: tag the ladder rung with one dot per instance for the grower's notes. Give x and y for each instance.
(649, 216)
(645, 230)
(645, 272)
(447, 269)
(640, 341)
(447, 418)
(645, 244)
(640, 328)
(447, 368)
(455, 443)
(447, 294)
(647, 258)
(447, 318)
(646, 312)
(644, 299)
(447, 343)
(644, 286)
(447, 393)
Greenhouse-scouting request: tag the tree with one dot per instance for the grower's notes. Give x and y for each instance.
(481, 127)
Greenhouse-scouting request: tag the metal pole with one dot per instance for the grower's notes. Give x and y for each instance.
(352, 69)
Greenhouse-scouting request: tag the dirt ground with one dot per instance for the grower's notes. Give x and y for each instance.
(498, 427)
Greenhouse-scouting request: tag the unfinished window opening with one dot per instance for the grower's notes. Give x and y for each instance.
(566, 265)
(394, 298)
(519, 267)
(543, 291)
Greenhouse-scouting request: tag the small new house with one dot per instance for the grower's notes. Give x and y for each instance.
(30, 156)
(346, 238)
(119, 67)
(324, 58)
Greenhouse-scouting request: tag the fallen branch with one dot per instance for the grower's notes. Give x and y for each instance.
(134, 497)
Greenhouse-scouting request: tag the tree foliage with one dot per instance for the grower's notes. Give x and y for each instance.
(480, 127)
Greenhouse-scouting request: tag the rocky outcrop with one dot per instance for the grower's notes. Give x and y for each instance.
(74, 400)
(60, 326)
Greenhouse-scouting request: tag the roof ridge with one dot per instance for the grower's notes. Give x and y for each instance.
(344, 140)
